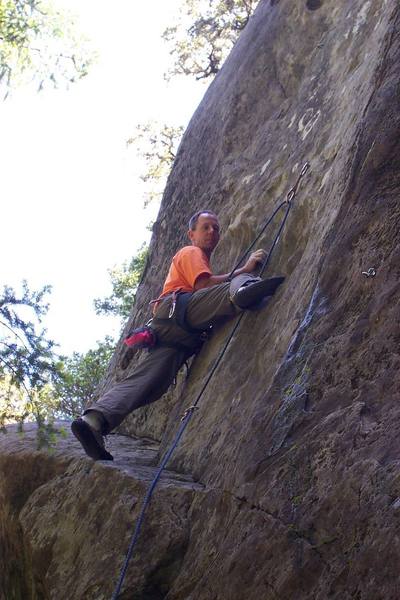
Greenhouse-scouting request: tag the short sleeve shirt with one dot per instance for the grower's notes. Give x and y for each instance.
(187, 266)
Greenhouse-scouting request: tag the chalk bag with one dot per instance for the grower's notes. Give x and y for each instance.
(141, 337)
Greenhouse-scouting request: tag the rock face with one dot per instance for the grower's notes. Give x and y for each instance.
(66, 521)
(295, 450)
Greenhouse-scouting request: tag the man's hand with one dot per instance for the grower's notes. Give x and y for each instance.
(254, 260)
(205, 281)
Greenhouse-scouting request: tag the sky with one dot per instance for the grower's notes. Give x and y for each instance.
(72, 200)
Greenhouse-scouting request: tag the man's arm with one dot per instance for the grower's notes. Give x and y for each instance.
(205, 281)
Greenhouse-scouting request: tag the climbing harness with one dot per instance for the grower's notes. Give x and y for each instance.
(180, 301)
(177, 313)
(146, 337)
(187, 415)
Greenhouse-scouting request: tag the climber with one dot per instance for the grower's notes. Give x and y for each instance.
(193, 299)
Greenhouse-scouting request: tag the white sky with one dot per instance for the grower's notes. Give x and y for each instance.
(71, 203)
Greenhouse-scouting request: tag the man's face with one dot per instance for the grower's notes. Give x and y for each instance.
(206, 234)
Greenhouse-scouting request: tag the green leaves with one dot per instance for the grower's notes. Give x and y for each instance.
(27, 361)
(79, 376)
(34, 381)
(156, 144)
(39, 45)
(204, 35)
(26, 355)
(124, 280)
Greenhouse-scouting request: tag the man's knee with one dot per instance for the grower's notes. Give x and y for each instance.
(240, 281)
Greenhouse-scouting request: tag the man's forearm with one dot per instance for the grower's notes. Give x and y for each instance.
(206, 282)
(222, 278)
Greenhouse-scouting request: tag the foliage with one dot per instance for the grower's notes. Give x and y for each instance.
(12, 403)
(34, 382)
(26, 356)
(39, 44)
(28, 364)
(80, 375)
(204, 35)
(157, 145)
(124, 280)
(41, 404)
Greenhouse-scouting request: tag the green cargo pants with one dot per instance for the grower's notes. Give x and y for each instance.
(153, 376)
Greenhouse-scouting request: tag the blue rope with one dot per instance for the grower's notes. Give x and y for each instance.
(189, 413)
(146, 502)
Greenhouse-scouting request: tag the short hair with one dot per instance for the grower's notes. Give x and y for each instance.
(194, 219)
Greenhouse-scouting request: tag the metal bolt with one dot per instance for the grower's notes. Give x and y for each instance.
(370, 273)
(291, 195)
(189, 410)
(305, 169)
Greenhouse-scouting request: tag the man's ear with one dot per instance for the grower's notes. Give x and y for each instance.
(190, 235)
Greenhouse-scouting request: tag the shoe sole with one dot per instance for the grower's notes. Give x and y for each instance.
(255, 292)
(84, 435)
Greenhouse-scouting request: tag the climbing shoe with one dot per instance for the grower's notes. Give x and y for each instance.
(252, 292)
(91, 440)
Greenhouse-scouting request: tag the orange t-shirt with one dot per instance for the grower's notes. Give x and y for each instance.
(186, 267)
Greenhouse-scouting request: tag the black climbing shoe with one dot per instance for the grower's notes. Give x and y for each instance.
(251, 293)
(91, 440)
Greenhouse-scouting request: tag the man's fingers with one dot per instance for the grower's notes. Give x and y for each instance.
(255, 257)
(259, 255)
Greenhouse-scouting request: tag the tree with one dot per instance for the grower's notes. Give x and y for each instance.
(157, 145)
(80, 375)
(34, 381)
(42, 404)
(204, 35)
(12, 403)
(124, 280)
(28, 365)
(26, 355)
(39, 44)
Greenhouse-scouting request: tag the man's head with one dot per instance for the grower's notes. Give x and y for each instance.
(204, 230)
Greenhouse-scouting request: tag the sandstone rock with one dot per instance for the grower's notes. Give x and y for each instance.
(67, 520)
(295, 448)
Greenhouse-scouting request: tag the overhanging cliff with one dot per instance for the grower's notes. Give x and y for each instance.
(295, 449)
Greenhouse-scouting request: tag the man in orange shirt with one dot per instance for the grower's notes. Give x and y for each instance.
(203, 299)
